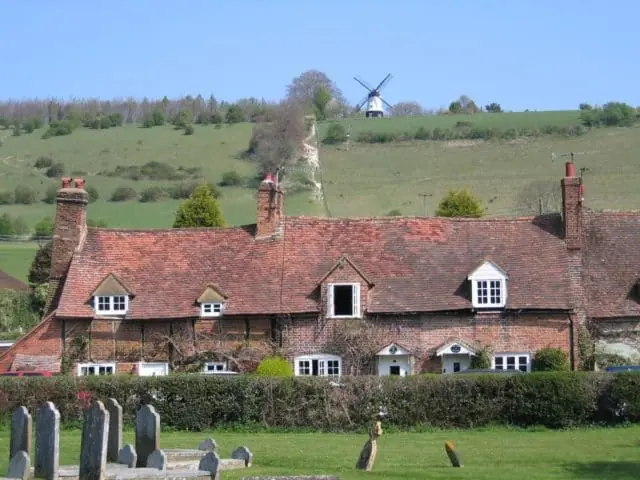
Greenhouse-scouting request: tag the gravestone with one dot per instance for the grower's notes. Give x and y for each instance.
(47, 459)
(115, 429)
(128, 456)
(21, 426)
(243, 453)
(147, 433)
(95, 438)
(157, 460)
(368, 454)
(453, 454)
(210, 463)
(20, 466)
(208, 445)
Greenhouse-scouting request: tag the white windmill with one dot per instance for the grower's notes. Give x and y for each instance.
(373, 99)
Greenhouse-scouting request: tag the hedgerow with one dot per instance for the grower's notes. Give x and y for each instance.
(198, 402)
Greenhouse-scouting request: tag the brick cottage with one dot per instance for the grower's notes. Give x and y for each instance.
(336, 296)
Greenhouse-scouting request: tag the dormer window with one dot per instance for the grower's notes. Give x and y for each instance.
(212, 301)
(488, 286)
(112, 296)
(111, 304)
(211, 309)
(343, 300)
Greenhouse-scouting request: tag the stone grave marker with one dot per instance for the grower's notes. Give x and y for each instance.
(147, 433)
(453, 454)
(208, 445)
(95, 438)
(20, 466)
(21, 428)
(210, 463)
(243, 453)
(115, 429)
(47, 461)
(368, 454)
(128, 456)
(157, 460)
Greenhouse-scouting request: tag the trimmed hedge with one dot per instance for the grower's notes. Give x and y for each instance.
(198, 402)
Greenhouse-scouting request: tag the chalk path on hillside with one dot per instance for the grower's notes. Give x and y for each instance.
(313, 158)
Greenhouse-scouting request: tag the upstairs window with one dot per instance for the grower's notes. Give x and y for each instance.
(343, 300)
(211, 309)
(113, 304)
(488, 286)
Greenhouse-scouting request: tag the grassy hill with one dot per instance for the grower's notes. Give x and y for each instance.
(366, 180)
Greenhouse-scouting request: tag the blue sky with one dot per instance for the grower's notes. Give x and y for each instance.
(540, 55)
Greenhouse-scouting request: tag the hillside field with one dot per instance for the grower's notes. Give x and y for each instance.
(366, 180)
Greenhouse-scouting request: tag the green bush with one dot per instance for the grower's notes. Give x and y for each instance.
(551, 360)
(336, 133)
(230, 179)
(43, 162)
(25, 195)
(198, 402)
(123, 194)
(153, 194)
(55, 170)
(274, 367)
(7, 197)
(93, 193)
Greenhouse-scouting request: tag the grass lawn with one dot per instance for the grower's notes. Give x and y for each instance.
(488, 455)
(16, 258)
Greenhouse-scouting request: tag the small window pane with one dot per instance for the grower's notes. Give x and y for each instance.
(499, 363)
(304, 367)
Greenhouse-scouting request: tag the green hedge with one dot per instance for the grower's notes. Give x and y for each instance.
(195, 402)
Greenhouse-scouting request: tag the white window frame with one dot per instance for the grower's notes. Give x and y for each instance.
(165, 365)
(211, 309)
(323, 366)
(111, 301)
(503, 292)
(224, 369)
(355, 300)
(96, 367)
(517, 362)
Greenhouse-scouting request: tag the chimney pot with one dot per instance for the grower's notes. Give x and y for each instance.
(79, 182)
(268, 178)
(570, 169)
(66, 182)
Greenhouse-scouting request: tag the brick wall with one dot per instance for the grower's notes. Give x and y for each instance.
(44, 340)
(423, 334)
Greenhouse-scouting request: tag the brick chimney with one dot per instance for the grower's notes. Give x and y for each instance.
(70, 226)
(572, 198)
(270, 207)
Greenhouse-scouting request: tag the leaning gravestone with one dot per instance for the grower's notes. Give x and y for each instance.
(47, 461)
(368, 454)
(115, 429)
(157, 460)
(20, 466)
(210, 463)
(207, 445)
(453, 454)
(147, 433)
(244, 454)
(95, 438)
(21, 426)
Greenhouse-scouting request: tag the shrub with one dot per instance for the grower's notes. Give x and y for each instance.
(481, 360)
(6, 224)
(55, 170)
(44, 228)
(92, 192)
(394, 213)
(25, 195)
(422, 134)
(97, 223)
(551, 360)
(230, 179)
(189, 130)
(198, 402)
(336, 133)
(58, 128)
(123, 194)
(43, 162)
(274, 367)
(50, 194)
(153, 194)
(7, 197)
(184, 190)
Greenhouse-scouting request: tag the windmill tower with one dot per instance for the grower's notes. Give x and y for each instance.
(373, 100)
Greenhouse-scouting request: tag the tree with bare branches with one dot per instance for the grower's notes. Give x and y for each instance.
(357, 342)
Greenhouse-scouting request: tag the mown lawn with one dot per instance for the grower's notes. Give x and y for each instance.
(488, 455)
(16, 258)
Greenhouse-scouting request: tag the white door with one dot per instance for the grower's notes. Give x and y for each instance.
(393, 365)
(455, 363)
(153, 369)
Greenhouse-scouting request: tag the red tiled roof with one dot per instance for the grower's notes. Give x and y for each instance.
(7, 282)
(612, 263)
(416, 264)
